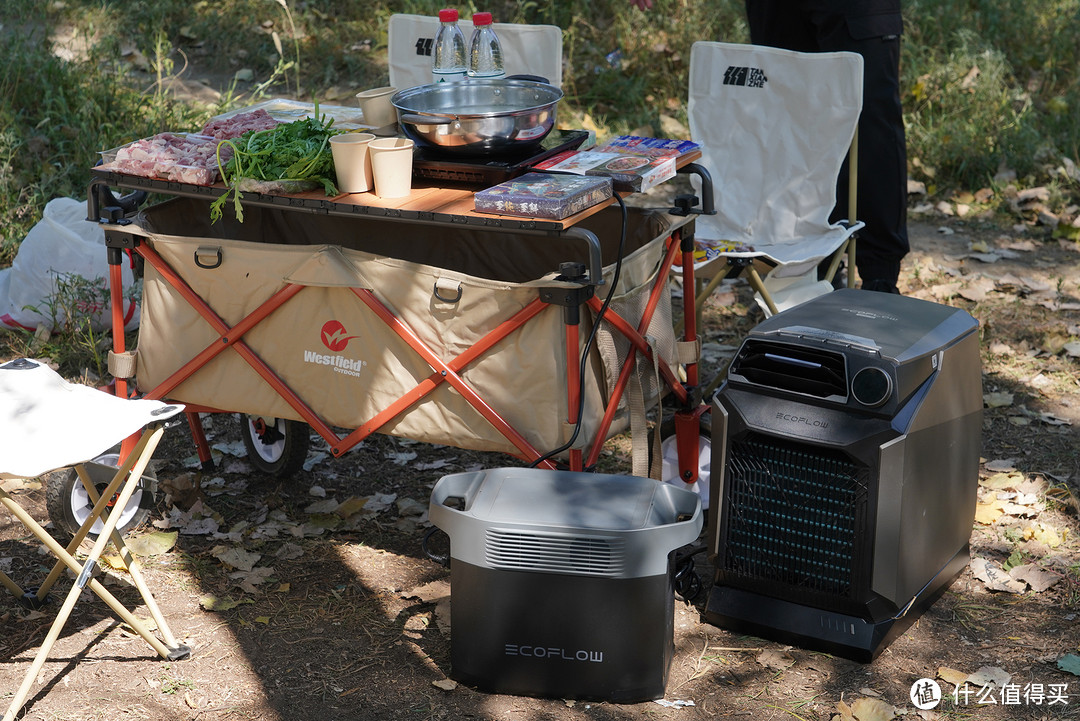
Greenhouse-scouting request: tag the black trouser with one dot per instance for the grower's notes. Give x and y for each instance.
(872, 29)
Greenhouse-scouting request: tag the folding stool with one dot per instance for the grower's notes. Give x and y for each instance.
(47, 423)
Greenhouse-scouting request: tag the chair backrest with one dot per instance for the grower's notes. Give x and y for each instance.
(774, 126)
(527, 49)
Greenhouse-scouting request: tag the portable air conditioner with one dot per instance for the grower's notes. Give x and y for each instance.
(846, 445)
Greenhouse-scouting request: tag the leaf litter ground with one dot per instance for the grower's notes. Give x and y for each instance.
(312, 598)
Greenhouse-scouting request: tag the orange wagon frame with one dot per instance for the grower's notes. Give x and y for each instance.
(107, 209)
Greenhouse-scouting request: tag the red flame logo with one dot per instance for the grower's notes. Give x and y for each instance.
(333, 336)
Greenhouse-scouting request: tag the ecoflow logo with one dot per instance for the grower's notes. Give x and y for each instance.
(335, 338)
(745, 77)
(553, 653)
(791, 418)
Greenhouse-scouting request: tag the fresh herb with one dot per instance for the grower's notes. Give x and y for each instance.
(289, 152)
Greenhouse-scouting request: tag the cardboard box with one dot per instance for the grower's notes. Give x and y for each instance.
(543, 195)
(648, 146)
(628, 171)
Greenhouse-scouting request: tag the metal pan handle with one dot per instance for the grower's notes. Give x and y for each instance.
(415, 119)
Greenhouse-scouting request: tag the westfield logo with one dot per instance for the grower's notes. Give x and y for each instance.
(334, 337)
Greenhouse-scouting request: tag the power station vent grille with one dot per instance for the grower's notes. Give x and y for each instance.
(794, 515)
(550, 553)
(794, 368)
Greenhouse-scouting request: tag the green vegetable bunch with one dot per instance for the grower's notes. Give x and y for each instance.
(290, 152)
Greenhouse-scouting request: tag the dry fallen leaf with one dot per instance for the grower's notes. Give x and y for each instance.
(844, 712)
(351, 506)
(997, 399)
(995, 577)
(873, 709)
(774, 659)
(1001, 481)
(1038, 578)
(445, 684)
(951, 675)
(987, 513)
(212, 603)
(990, 676)
(429, 592)
(152, 544)
(236, 558)
(1046, 535)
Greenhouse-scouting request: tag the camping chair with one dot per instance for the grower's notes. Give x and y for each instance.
(527, 49)
(45, 424)
(774, 128)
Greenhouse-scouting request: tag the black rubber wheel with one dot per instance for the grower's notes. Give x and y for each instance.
(69, 505)
(670, 461)
(275, 446)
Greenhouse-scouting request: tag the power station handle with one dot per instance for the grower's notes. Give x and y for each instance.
(684, 505)
(463, 486)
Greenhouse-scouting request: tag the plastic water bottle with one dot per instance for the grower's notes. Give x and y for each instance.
(449, 62)
(485, 52)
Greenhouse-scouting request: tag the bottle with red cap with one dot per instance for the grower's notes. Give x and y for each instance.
(449, 62)
(485, 52)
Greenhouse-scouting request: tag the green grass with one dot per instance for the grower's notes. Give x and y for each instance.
(987, 85)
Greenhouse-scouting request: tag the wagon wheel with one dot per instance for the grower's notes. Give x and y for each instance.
(275, 446)
(69, 504)
(669, 456)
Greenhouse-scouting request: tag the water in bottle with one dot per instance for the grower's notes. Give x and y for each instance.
(485, 52)
(449, 62)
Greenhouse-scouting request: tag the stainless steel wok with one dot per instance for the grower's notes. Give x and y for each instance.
(478, 117)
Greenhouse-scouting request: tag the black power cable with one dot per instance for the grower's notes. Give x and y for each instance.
(589, 343)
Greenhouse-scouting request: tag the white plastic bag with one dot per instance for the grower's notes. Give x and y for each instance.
(63, 245)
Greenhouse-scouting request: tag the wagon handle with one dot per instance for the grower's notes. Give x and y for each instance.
(596, 262)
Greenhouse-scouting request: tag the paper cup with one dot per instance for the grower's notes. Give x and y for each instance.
(376, 107)
(352, 162)
(391, 165)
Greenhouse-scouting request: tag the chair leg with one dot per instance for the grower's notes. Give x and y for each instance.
(131, 470)
(759, 285)
(80, 535)
(10, 585)
(851, 262)
(132, 565)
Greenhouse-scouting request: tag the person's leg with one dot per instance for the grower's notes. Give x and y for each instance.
(882, 192)
(825, 26)
(780, 24)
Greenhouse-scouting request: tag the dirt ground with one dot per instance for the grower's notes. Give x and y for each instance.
(334, 611)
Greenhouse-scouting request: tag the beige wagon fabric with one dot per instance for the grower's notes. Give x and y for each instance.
(340, 357)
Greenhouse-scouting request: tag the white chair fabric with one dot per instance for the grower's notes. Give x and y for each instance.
(775, 126)
(48, 423)
(527, 49)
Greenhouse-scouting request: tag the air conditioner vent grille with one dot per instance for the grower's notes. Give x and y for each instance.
(794, 368)
(794, 515)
